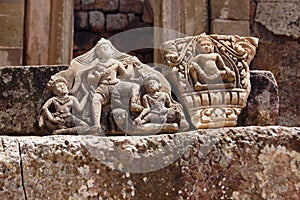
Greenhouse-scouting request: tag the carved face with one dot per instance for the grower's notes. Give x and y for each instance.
(104, 50)
(206, 46)
(60, 89)
(152, 86)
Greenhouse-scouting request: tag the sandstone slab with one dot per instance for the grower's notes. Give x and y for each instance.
(81, 20)
(262, 108)
(280, 55)
(10, 170)
(21, 97)
(97, 21)
(131, 6)
(228, 163)
(117, 22)
(281, 18)
(104, 5)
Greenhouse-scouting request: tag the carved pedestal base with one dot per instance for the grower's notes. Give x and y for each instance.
(213, 109)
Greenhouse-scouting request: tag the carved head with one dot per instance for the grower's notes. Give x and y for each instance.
(205, 44)
(104, 49)
(152, 84)
(58, 86)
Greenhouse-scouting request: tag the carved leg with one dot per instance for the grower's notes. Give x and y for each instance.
(97, 108)
(134, 106)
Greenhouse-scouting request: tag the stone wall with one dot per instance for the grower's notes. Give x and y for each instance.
(277, 24)
(230, 163)
(104, 18)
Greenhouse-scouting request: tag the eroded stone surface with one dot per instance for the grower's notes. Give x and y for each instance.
(281, 18)
(10, 170)
(285, 69)
(263, 105)
(229, 163)
(22, 96)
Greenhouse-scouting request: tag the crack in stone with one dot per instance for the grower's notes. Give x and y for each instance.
(22, 175)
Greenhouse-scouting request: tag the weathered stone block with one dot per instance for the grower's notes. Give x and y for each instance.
(97, 21)
(84, 40)
(81, 20)
(227, 163)
(22, 94)
(11, 56)
(280, 18)
(230, 27)
(230, 9)
(131, 6)
(12, 23)
(116, 22)
(263, 104)
(104, 5)
(281, 57)
(10, 169)
(77, 5)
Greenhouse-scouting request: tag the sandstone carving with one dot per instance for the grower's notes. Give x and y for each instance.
(113, 93)
(211, 74)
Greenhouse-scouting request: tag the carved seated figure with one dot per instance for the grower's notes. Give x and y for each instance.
(62, 121)
(209, 68)
(160, 113)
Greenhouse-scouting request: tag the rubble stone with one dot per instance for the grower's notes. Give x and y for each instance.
(263, 104)
(117, 22)
(131, 6)
(81, 20)
(97, 21)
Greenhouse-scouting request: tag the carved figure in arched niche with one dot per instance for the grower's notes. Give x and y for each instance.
(208, 67)
(211, 73)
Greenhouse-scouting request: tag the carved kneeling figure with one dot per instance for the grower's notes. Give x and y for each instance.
(62, 121)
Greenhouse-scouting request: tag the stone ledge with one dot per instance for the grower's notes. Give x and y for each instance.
(229, 163)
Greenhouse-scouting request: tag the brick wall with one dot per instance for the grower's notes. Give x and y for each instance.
(104, 18)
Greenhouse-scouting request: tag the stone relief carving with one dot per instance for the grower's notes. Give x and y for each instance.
(211, 74)
(111, 92)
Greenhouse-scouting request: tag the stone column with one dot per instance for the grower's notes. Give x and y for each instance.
(186, 17)
(61, 32)
(49, 32)
(37, 32)
(11, 32)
